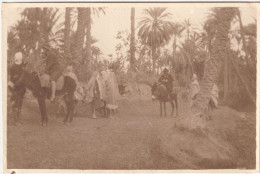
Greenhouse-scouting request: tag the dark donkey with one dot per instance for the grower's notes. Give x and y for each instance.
(21, 79)
(159, 92)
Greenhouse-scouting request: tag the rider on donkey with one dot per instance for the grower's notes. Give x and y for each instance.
(15, 68)
(15, 75)
(53, 68)
(166, 79)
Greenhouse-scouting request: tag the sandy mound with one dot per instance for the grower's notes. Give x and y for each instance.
(222, 144)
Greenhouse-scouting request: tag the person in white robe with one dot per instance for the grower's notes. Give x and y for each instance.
(194, 89)
(110, 89)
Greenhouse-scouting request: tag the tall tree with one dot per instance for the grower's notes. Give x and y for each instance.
(187, 26)
(206, 36)
(33, 33)
(155, 29)
(88, 36)
(80, 34)
(67, 39)
(176, 31)
(223, 17)
(89, 12)
(132, 40)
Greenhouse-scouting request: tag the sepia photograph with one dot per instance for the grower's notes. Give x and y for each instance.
(129, 86)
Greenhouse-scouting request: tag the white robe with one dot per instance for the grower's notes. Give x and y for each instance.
(214, 94)
(110, 92)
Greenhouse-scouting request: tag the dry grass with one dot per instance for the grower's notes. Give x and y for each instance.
(136, 139)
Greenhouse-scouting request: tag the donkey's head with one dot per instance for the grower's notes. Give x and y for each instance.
(155, 91)
(159, 91)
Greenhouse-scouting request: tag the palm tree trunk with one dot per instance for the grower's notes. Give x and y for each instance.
(43, 38)
(67, 32)
(88, 40)
(153, 57)
(213, 64)
(80, 33)
(174, 51)
(225, 77)
(132, 41)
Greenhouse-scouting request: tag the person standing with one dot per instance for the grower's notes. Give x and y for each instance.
(194, 89)
(93, 88)
(111, 90)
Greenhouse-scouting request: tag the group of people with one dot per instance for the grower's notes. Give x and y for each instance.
(101, 90)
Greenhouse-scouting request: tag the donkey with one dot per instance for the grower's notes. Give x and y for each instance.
(22, 80)
(160, 93)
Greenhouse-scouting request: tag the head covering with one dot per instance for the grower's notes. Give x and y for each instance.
(18, 58)
(70, 68)
(111, 66)
(165, 70)
(194, 77)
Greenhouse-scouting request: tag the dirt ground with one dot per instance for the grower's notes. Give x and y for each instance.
(137, 138)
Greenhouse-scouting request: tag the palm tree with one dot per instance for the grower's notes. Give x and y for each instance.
(96, 52)
(79, 36)
(35, 31)
(67, 30)
(132, 40)
(176, 31)
(187, 27)
(208, 33)
(155, 29)
(220, 44)
(89, 12)
(88, 37)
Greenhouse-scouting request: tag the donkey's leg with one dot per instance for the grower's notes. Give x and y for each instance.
(66, 98)
(71, 105)
(17, 105)
(70, 108)
(160, 108)
(42, 107)
(71, 111)
(17, 111)
(176, 104)
(105, 109)
(68, 113)
(164, 104)
(75, 103)
(172, 105)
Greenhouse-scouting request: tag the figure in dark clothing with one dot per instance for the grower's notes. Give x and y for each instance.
(166, 79)
(16, 69)
(54, 70)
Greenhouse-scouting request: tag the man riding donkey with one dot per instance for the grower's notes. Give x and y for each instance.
(15, 75)
(53, 69)
(166, 79)
(55, 74)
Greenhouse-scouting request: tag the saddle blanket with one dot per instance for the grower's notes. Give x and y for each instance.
(46, 82)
